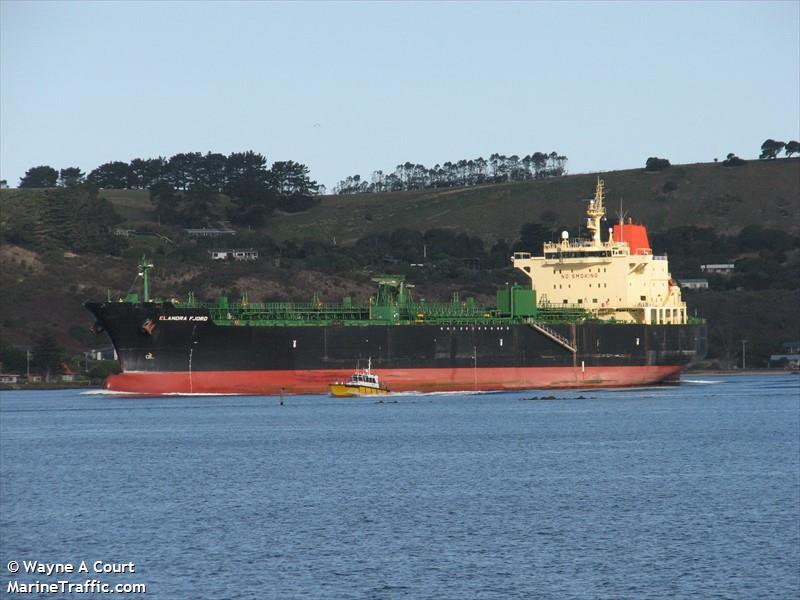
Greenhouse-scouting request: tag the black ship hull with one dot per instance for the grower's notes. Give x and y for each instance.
(163, 348)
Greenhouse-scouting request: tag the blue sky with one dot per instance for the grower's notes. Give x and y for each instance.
(352, 87)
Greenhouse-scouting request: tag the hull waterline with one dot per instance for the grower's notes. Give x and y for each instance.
(398, 380)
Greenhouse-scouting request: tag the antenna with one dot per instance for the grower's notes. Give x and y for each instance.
(621, 214)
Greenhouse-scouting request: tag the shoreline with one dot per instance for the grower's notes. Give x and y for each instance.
(35, 387)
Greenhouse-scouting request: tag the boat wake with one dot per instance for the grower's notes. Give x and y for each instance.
(451, 393)
(141, 394)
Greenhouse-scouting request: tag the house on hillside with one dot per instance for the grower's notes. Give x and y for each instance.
(693, 284)
(234, 254)
(719, 269)
(209, 232)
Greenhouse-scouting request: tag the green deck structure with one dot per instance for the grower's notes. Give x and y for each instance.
(393, 304)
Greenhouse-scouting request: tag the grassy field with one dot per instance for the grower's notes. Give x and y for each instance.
(132, 205)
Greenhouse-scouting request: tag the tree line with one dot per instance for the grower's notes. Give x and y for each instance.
(771, 148)
(465, 172)
(186, 186)
(182, 171)
(46, 357)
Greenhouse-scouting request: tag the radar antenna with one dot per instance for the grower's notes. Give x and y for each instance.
(595, 211)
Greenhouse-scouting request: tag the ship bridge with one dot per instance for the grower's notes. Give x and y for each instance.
(619, 279)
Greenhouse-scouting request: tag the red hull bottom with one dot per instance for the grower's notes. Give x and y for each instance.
(397, 380)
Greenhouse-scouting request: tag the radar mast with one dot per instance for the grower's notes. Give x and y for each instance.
(595, 211)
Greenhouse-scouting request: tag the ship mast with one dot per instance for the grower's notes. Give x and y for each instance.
(595, 212)
(144, 268)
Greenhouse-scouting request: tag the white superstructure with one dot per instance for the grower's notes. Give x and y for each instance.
(618, 279)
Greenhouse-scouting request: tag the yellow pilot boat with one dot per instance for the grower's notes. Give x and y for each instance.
(363, 382)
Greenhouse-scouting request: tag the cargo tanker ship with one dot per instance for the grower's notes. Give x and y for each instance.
(597, 313)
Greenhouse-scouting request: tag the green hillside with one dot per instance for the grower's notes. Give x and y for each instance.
(765, 192)
(706, 194)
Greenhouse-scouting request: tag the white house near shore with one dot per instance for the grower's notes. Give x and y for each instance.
(791, 354)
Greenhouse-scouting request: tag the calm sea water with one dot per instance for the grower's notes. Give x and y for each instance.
(690, 491)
